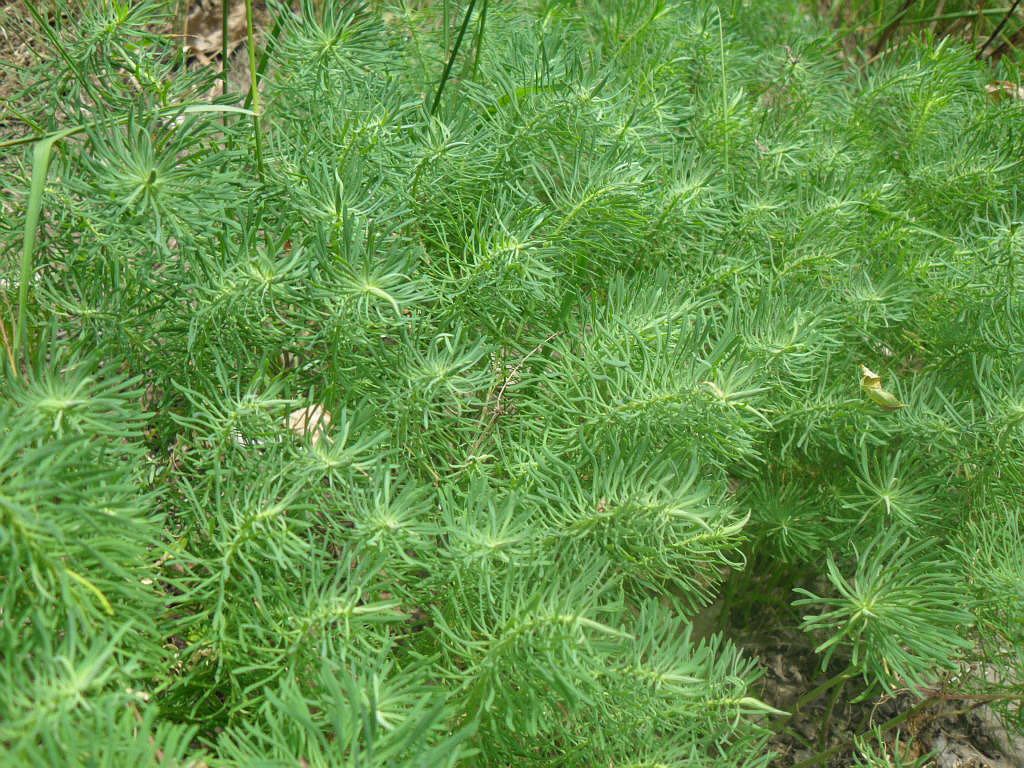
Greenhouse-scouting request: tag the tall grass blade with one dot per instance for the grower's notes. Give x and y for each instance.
(40, 165)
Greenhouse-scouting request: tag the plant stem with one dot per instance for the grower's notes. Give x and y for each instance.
(725, 90)
(451, 57)
(820, 757)
(74, 66)
(479, 38)
(811, 695)
(224, 9)
(826, 721)
(997, 30)
(254, 88)
(842, 677)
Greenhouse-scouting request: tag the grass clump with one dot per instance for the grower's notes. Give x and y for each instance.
(416, 426)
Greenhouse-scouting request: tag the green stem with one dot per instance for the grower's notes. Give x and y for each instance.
(725, 91)
(842, 677)
(254, 88)
(821, 757)
(811, 695)
(451, 58)
(952, 15)
(224, 9)
(268, 45)
(798, 738)
(826, 721)
(479, 39)
(74, 65)
(998, 29)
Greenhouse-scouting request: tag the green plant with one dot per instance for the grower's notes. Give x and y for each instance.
(882, 757)
(419, 420)
(899, 614)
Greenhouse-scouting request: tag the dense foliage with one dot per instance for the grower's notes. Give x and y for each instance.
(418, 432)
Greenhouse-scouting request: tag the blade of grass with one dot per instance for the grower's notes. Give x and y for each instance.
(268, 45)
(104, 602)
(40, 165)
(939, 10)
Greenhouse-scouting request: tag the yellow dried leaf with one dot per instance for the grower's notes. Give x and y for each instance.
(869, 378)
(871, 384)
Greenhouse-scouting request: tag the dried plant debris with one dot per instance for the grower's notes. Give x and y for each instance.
(311, 422)
(1002, 90)
(871, 384)
(204, 28)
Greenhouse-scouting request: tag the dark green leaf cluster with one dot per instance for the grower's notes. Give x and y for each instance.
(426, 439)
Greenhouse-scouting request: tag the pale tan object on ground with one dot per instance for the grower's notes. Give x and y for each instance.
(204, 28)
(311, 420)
(1000, 90)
